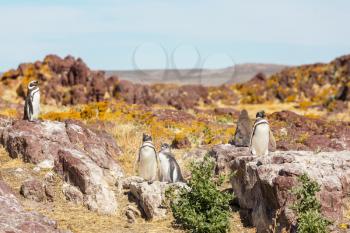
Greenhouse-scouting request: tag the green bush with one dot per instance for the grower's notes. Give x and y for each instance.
(308, 208)
(311, 222)
(202, 208)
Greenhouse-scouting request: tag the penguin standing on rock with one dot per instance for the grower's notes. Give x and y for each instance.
(32, 102)
(261, 136)
(169, 169)
(147, 161)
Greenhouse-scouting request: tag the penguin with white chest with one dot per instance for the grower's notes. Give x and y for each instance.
(260, 137)
(148, 162)
(169, 168)
(32, 102)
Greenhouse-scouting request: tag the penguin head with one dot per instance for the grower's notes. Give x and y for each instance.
(32, 84)
(165, 147)
(146, 138)
(261, 114)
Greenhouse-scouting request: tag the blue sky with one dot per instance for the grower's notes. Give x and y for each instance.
(115, 34)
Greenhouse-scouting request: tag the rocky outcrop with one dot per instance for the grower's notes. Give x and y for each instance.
(243, 130)
(83, 157)
(224, 155)
(150, 197)
(297, 132)
(36, 190)
(263, 184)
(323, 85)
(13, 218)
(69, 81)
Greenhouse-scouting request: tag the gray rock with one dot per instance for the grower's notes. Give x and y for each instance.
(224, 155)
(131, 213)
(243, 130)
(83, 156)
(13, 218)
(263, 184)
(72, 193)
(150, 197)
(34, 190)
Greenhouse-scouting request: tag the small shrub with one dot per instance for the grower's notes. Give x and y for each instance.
(308, 208)
(312, 222)
(202, 208)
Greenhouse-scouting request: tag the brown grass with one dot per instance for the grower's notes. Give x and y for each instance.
(76, 217)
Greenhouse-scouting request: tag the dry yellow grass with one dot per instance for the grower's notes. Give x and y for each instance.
(80, 220)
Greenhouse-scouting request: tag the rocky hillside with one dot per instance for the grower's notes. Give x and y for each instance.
(321, 84)
(69, 81)
(239, 73)
(73, 170)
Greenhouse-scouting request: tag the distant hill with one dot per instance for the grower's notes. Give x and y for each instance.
(207, 77)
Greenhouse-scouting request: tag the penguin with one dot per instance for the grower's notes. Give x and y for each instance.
(169, 168)
(147, 160)
(32, 102)
(260, 136)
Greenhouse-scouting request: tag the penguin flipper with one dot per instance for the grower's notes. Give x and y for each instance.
(28, 109)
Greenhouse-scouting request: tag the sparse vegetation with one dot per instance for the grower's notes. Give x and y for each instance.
(203, 208)
(308, 208)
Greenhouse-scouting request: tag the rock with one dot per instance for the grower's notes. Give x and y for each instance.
(82, 156)
(131, 213)
(243, 130)
(180, 142)
(72, 193)
(49, 177)
(226, 111)
(19, 170)
(78, 169)
(297, 132)
(150, 197)
(224, 155)
(126, 182)
(13, 218)
(34, 190)
(263, 184)
(46, 164)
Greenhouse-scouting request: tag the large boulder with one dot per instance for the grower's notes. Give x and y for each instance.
(82, 156)
(243, 130)
(263, 185)
(13, 218)
(35, 190)
(150, 197)
(224, 155)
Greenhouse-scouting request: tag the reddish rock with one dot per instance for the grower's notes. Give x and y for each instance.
(263, 184)
(34, 190)
(297, 132)
(82, 156)
(226, 111)
(224, 155)
(13, 218)
(181, 142)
